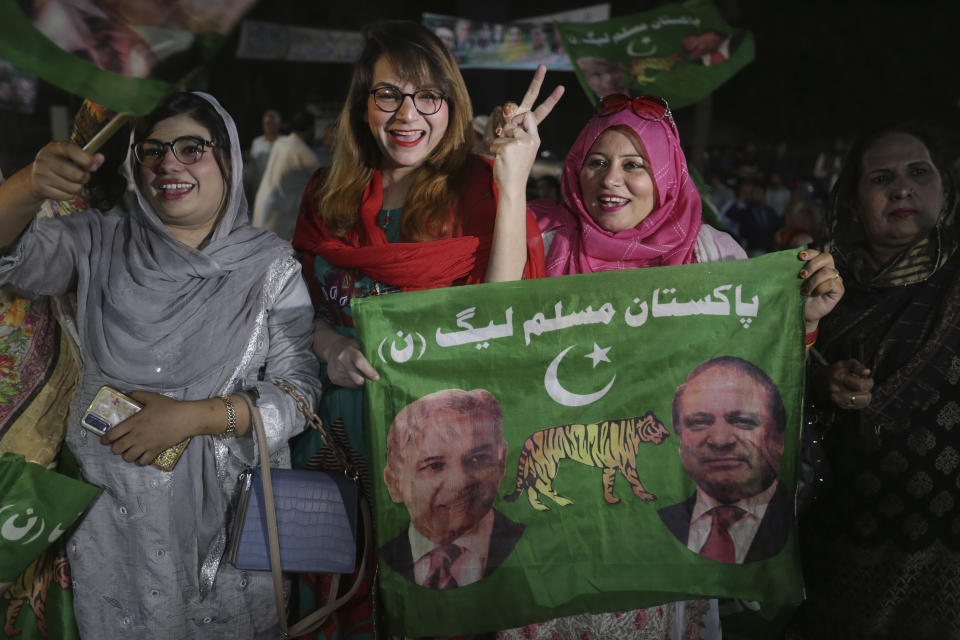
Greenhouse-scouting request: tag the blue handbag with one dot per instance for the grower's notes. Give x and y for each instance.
(316, 522)
(297, 520)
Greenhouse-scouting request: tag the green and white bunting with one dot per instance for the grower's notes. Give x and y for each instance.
(584, 369)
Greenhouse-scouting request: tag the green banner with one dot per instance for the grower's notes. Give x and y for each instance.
(524, 448)
(39, 603)
(128, 57)
(682, 52)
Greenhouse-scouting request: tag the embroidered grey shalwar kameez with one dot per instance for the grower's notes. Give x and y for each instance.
(154, 314)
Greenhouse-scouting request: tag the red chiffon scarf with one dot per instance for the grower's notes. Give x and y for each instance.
(461, 259)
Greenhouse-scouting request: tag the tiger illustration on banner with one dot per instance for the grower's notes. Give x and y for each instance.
(611, 445)
(31, 588)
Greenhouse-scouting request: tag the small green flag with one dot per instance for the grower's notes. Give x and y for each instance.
(36, 506)
(125, 56)
(681, 52)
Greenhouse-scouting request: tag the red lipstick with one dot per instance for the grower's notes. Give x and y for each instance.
(407, 140)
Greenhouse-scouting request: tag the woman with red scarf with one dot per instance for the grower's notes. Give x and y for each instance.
(405, 206)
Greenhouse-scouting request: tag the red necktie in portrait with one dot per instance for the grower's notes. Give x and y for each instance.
(719, 545)
(441, 559)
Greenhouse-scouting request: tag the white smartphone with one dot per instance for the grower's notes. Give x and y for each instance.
(108, 408)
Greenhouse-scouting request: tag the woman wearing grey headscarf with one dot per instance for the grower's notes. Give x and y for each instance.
(184, 305)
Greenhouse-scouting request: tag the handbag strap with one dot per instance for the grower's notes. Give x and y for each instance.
(271, 512)
(312, 621)
(315, 423)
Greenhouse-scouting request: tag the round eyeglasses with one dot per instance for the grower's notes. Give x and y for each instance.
(426, 101)
(652, 108)
(187, 149)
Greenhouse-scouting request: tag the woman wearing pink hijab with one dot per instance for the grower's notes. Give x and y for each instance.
(629, 202)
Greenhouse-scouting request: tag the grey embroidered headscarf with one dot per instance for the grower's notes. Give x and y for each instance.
(175, 320)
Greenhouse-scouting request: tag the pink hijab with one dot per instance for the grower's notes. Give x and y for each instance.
(667, 236)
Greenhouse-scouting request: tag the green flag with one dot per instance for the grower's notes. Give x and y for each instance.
(524, 448)
(36, 506)
(126, 56)
(39, 604)
(682, 52)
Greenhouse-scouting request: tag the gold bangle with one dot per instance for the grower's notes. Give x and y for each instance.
(231, 430)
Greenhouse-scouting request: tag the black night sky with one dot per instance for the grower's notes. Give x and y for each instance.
(822, 69)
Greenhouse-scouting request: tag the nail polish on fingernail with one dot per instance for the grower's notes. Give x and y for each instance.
(803, 255)
(803, 273)
(499, 131)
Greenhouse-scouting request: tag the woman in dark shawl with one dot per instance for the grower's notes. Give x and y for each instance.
(882, 545)
(184, 305)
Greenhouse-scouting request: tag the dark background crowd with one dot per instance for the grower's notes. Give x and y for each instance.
(822, 70)
(776, 132)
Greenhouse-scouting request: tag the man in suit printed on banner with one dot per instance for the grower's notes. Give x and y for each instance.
(730, 420)
(446, 456)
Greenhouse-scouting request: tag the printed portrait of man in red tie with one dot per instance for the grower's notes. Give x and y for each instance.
(446, 456)
(711, 47)
(730, 419)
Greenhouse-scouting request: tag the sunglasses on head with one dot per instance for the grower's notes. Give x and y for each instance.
(652, 108)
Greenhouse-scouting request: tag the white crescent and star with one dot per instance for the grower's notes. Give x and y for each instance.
(560, 395)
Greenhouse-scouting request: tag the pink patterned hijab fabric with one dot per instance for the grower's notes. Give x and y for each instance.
(666, 237)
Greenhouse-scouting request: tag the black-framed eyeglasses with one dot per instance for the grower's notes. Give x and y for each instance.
(426, 101)
(187, 149)
(648, 107)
